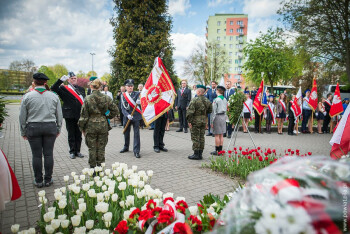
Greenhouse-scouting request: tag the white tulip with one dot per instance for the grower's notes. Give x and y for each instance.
(76, 220)
(77, 182)
(66, 178)
(73, 173)
(55, 223)
(104, 188)
(114, 197)
(127, 214)
(96, 178)
(62, 204)
(51, 209)
(158, 193)
(79, 230)
(91, 183)
(115, 173)
(103, 164)
(168, 195)
(134, 168)
(107, 216)
(86, 187)
(108, 171)
(78, 212)
(49, 229)
(62, 217)
(92, 193)
(122, 186)
(82, 207)
(31, 231)
(119, 178)
(64, 223)
(97, 169)
(106, 194)
(76, 177)
(101, 174)
(82, 177)
(101, 207)
(89, 224)
(111, 190)
(58, 196)
(150, 173)
(141, 184)
(85, 171)
(140, 194)
(49, 216)
(99, 183)
(122, 204)
(145, 178)
(41, 193)
(63, 189)
(15, 228)
(76, 190)
(141, 173)
(193, 210)
(100, 197)
(107, 224)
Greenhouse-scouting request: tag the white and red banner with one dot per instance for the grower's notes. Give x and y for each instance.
(313, 102)
(258, 98)
(337, 106)
(71, 89)
(158, 95)
(131, 101)
(296, 105)
(10, 189)
(272, 113)
(341, 138)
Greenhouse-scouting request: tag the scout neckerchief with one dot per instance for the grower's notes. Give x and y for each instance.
(74, 92)
(271, 106)
(131, 101)
(283, 106)
(40, 90)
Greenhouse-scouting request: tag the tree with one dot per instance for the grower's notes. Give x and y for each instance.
(24, 65)
(47, 71)
(269, 54)
(323, 27)
(59, 70)
(81, 74)
(141, 31)
(106, 77)
(91, 73)
(204, 67)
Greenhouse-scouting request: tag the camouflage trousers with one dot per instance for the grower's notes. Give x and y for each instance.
(96, 144)
(197, 136)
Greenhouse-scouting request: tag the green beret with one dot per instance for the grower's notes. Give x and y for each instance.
(200, 87)
(92, 78)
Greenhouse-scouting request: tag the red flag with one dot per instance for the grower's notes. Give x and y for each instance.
(313, 102)
(158, 95)
(257, 101)
(337, 106)
(341, 138)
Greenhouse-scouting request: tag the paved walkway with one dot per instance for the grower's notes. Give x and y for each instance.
(173, 172)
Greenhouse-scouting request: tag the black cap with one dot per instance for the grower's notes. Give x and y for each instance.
(129, 82)
(221, 87)
(71, 74)
(40, 76)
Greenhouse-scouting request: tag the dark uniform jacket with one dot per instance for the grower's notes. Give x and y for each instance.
(211, 95)
(127, 109)
(183, 100)
(198, 110)
(71, 106)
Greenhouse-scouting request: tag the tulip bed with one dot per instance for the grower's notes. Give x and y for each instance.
(240, 162)
(121, 200)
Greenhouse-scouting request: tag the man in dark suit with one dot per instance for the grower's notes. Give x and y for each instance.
(182, 101)
(72, 96)
(211, 95)
(158, 133)
(229, 91)
(128, 99)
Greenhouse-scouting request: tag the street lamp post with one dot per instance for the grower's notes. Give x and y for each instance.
(92, 61)
(212, 62)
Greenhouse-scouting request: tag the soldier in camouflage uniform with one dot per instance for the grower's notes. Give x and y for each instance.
(93, 122)
(197, 113)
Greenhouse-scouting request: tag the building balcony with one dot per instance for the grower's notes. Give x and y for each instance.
(240, 41)
(241, 25)
(241, 33)
(240, 49)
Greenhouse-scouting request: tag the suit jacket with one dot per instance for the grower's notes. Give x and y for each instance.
(183, 100)
(127, 109)
(228, 93)
(71, 106)
(211, 95)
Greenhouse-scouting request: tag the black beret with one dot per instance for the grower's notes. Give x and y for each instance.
(40, 76)
(221, 87)
(129, 82)
(71, 74)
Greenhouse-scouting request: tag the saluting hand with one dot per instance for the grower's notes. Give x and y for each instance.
(64, 78)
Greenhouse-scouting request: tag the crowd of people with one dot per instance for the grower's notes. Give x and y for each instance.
(200, 109)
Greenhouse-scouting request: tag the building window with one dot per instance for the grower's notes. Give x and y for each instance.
(239, 30)
(239, 46)
(238, 77)
(230, 69)
(231, 30)
(231, 38)
(218, 38)
(239, 22)
(230, 61)
(219, 22)
(237, 38)
(218, 30)
(231, 22)
(230, 54)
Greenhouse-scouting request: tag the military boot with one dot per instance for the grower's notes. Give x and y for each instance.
(201, 154)
(195, 156)
(216, 151)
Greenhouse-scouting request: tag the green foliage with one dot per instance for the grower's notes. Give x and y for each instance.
(269, 55)
(81, 74)
(91, 73)
(47, 71)
(235, 106)
(141, 30)
(106, 77)
(58, 70)
(3, 111)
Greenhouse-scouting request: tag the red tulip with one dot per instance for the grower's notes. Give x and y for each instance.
(235, 152)
(260, 158)
(230, 151)
(292, 152)
(266, 158)
(258, 148)
(309, 153)
(266, 154)
(250, 158)
(240, 148)
(235, 148)
(297, 151)
(289, 150)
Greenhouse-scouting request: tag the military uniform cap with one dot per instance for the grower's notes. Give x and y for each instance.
(92, 78)
(221, 87)
(71, 74)
(40, 76)
(308, 90)
(271, 96)
(129, 82)
(200, 87)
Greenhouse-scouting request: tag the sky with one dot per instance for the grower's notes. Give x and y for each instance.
(67, 31)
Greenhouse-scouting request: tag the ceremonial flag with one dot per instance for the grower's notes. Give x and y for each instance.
(341, 138)
(158, 95)
(337, 106)
(257, 101)
(264, 98)
(313, 102)
(296, 105)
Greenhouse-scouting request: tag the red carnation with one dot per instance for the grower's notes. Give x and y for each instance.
(151, 204)
(180, 228)
(181, 209)
(145, 215)
(200, 208)
(168, 198)
(182, 203)
(275, 159)
(134, 213)
(257, 154)
(229, 156)
(271, 162)
(156, 211)
(165, 217)
(196, 222)
(260, 158)
(121, 228)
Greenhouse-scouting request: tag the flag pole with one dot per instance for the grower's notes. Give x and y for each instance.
(128, 123)
(312, 122)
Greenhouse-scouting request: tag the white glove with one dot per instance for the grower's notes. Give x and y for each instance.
(138, 102)
(129, 117)
(64, 78)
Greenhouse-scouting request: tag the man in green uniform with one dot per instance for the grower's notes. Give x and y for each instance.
(196, 115)
(93, 122)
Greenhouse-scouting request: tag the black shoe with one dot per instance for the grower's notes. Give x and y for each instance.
(185, 131)
(38, 185)
(163, 149)
(224, 134)
(215, 153)
(209, 134)
(72, 156)
(124, 150)
(151, 129)
(80, 155)
(157, 150)
(179, 130)
(137, 155)
(47, 184)
(195, 156)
